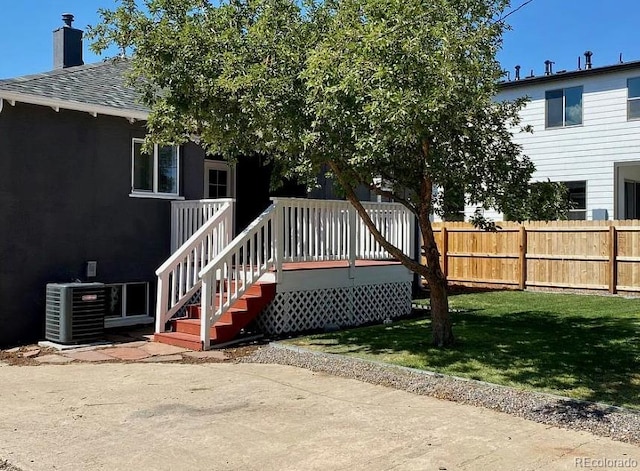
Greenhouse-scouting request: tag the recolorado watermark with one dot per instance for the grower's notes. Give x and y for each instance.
(603, 462)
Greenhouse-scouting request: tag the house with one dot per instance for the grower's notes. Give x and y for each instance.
(80, 201)
(586, 133)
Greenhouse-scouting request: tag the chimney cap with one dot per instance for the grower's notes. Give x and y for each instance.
(587, 57)
(67, 18)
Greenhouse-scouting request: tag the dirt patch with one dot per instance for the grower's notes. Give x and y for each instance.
(26, 356)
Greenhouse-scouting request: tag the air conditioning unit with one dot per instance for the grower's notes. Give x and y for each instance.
(75, 312)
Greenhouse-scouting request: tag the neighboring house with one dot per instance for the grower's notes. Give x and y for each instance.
(586, 133)
(80, 201)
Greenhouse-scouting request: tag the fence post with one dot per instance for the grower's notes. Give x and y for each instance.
(522, 282)
(613, 263)
(445, 248)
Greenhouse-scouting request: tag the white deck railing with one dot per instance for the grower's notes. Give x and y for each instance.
(394, 221)
(189, 216)
(178, 277)
(290, 230)
(318, 230)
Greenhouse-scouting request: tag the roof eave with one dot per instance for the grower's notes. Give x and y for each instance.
(94, 110)
(569, 75)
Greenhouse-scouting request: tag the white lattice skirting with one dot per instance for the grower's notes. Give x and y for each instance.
(298, 311)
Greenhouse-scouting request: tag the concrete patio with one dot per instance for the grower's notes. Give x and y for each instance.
(226, 416)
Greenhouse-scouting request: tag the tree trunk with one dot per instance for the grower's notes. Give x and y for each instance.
(440, 321)
(442, 331)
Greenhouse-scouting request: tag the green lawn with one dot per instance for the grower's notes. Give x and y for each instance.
(584, 347)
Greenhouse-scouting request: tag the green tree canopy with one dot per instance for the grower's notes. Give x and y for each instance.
(397, 95)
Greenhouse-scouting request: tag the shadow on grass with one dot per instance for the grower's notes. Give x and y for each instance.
(588, 358)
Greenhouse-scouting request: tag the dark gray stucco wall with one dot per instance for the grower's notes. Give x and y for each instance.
(65, 180)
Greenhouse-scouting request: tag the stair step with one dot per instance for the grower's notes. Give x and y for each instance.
(255, 290)
(192, 327)
(186, 332)
(194, 313)
(179, 339)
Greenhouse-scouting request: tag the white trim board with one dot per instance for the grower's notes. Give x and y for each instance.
(57, 104)
(327, 278)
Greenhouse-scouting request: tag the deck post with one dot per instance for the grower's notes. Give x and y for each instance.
(278, 238)
(352, 240)
(411, 236)
(162, 301)
(205, 312)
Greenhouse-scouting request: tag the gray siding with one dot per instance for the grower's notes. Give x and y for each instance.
(65, 180)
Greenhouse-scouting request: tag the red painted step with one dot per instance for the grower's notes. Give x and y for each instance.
(192, 342)
(186, 331)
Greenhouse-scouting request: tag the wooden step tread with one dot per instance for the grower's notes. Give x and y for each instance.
(179, 339)
(197, 321)
(178, 335)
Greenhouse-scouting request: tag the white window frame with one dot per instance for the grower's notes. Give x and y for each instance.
(631, 99)
(224, 166)
(154, 193)
(122, 318)
(564, 108)
(582, 212)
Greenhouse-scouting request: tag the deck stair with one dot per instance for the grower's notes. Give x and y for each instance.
(185, 331)
(236, 278)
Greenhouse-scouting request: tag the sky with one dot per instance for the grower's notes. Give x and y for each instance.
(556, 30)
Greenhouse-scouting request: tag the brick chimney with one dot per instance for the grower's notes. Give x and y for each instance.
(67, 44)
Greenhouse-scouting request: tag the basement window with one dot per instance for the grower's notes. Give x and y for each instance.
(155, 174)
(127, 300)
(563, 107)
(633, 98)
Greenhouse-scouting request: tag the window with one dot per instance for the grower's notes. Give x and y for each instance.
(564, 107)
(578, 198)
(155, 174)
(127, 299)
(633, 98)
(631, 199)
(217, 179)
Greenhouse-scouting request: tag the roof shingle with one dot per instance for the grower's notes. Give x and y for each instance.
(102, 84)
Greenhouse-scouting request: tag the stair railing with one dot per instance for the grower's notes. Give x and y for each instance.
(190, 215)
(179, 277)
(237, 267)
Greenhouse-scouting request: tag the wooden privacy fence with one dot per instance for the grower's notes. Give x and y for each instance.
(594, 255)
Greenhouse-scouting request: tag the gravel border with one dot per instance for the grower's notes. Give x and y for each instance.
(600, 419)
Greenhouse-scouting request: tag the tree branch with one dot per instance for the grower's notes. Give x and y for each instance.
(394, 196)
(389, 247)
